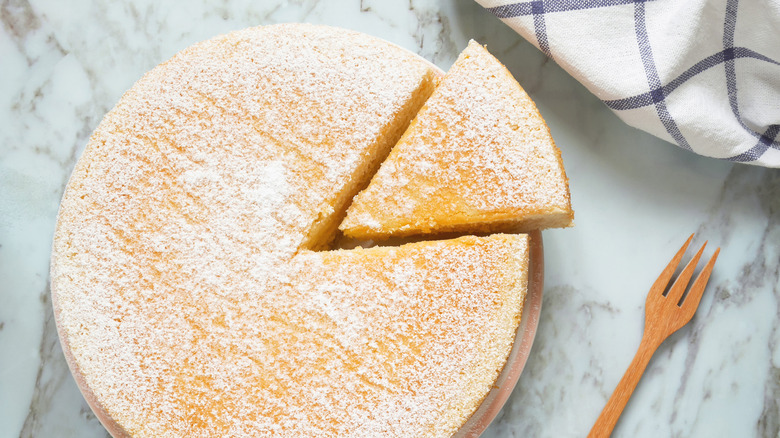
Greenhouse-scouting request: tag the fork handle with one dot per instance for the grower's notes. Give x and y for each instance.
(617, 402)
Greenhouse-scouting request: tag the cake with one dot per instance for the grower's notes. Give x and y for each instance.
(477, 157)
(192, 287)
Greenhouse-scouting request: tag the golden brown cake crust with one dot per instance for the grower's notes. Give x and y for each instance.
(478, 157)
(185, 295)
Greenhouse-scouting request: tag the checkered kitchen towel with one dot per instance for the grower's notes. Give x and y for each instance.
(704, 74)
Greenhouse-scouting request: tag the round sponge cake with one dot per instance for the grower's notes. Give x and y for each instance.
(188, 292)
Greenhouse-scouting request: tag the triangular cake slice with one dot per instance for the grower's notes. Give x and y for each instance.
(478, 157)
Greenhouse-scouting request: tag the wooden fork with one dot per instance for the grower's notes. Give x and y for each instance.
(664, 315)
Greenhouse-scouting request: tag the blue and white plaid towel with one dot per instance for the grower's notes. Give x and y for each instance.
(704, 74)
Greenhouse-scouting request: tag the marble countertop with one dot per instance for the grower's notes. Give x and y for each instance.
(637, 198)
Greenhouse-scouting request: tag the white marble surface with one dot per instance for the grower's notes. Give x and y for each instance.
(63, 64)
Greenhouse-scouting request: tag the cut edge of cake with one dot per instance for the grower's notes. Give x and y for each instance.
(324, 231)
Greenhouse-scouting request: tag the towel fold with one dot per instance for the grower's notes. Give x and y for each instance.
(703, 74)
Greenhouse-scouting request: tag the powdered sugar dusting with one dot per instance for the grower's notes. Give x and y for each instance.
(183, 288)
(422, 330)
(477, 152)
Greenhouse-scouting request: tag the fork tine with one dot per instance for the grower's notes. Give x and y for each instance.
(678, 288)
(697, 290)
(663, 279)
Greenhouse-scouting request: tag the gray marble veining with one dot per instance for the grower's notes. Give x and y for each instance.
(64, 64)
